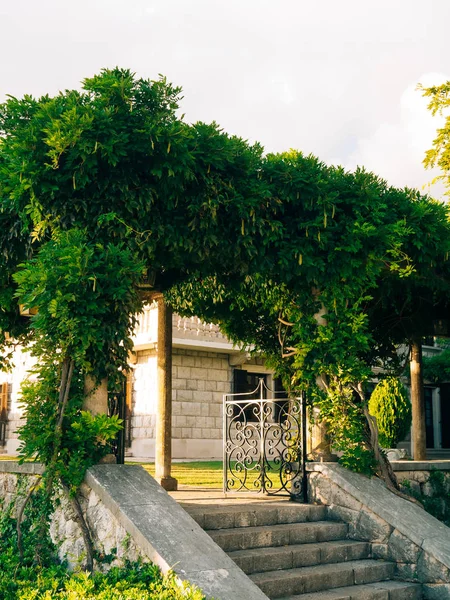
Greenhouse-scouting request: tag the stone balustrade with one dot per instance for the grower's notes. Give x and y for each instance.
(184, 328)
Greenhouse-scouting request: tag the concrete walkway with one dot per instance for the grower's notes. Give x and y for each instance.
(201, 495)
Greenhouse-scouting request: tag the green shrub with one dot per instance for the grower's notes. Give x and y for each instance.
(132, 582)
(390, 404)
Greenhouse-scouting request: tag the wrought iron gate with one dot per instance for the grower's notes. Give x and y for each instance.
(264, 443)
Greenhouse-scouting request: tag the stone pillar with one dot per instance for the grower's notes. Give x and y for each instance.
(95, 396)
(163, 451)
(96, 402)
(318, 446)
(418, 443)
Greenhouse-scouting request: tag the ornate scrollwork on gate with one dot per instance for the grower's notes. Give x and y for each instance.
(263, 443)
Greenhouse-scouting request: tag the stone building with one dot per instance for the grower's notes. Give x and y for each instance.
(205, 366)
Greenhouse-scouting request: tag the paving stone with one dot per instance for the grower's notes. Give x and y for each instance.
(399, 590)
(218, 520)
(430, 570)
(406, 571)
(373, 528)
(373, 570)
(286, 557)
(380, 550)
(360, 592)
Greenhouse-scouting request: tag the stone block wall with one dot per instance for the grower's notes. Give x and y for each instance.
(416, 475)
(199, 381)
(144, 398)
(109, 536)
(398, 530)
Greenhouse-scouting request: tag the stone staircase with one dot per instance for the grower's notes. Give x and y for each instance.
(291, 551)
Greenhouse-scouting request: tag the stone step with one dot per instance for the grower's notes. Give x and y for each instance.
(382, 590)
(258, 560)
(278, 535)
(254, 514)
(276, 584)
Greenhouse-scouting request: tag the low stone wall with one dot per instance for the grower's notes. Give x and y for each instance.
(398, 529)
(111, 541)
(131, 516)
(417, 474)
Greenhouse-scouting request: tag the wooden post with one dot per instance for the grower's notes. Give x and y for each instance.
(418, 444)
(163, 451)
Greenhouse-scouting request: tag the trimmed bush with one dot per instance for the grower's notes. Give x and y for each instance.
(390, 404)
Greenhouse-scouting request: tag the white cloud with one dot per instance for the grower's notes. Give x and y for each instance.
(396, 150)
(325, 77)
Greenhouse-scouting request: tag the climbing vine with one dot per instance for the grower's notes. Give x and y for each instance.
(84, 294)
(322, 270)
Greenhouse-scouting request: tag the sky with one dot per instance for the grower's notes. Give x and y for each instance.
(336, 78)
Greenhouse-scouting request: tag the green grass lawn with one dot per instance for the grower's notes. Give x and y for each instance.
(206, 474)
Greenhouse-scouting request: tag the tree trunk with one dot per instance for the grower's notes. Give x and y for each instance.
(419, 444)
(163, 454)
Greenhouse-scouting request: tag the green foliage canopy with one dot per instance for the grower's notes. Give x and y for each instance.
(261, 244)
(439, 154)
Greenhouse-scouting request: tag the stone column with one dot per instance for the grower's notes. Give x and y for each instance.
(163, 451)
(318, 446)
(418, 443)
(96, 402)
(95, 396)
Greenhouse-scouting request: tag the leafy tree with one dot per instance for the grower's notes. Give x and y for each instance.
(371, 258)
(99, 188)
(436, 368)
(439, 154)
(85, 294)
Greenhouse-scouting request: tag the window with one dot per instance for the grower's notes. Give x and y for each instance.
(246, 382)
